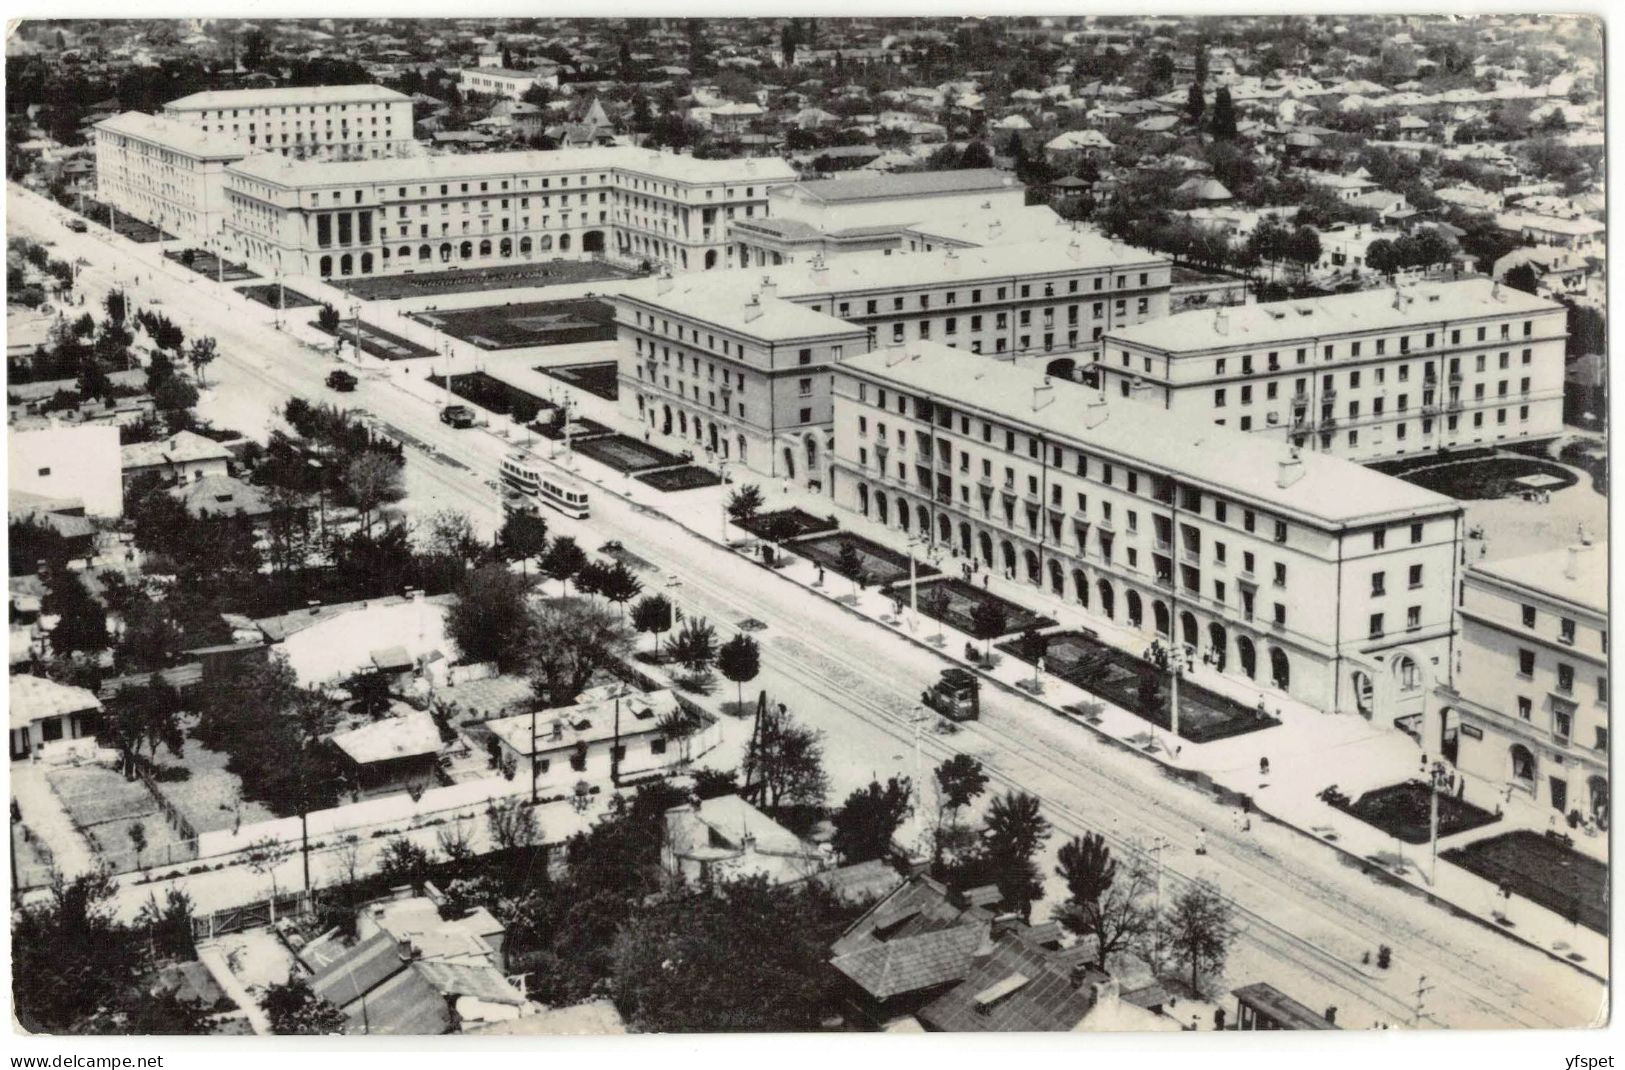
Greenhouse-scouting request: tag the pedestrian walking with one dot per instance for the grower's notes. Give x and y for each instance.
(984, 581)
(820, 575)
(1201, 841)
(1263, 767)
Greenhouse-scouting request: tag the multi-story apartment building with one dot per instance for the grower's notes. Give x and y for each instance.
(504, 82)
(1529, 708)
(865, 214)
(743, 376)
(1300, 571)
(1366, 375)
(1042, 299)
(1030, 299)
(328, 122)
(164, 172)
(434, 212)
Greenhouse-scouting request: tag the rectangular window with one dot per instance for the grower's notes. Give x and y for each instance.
(1376, 625)
(1413, 618)
(1526, 662)
(1379, 584)
(1565, 631)
(1416, 577)
(1526, 708)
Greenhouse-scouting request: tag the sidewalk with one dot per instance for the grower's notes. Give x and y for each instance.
(44, 815)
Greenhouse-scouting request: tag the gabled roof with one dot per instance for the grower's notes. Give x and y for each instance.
(181, 448)
(409, 736)
(34, 698)
(1019, 987)
(913, 963)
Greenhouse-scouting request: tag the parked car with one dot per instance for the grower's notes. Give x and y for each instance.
(77, 226)
(340, 379)
(458, 416)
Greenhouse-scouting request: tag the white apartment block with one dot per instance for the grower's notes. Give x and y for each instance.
(504, 82)
(80, 463)
(328, 122)
(1529, 708)
(1042, 299)
(866, 213)
(164, 172)
(745, 378)
(1305, 573)
(1366, 376)
(426, 213)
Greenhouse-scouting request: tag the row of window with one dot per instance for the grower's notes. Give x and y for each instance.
(1380, 346)
(1565, 627)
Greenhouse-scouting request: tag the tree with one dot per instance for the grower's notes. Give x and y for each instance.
(1224, 115)
(512, 824)
(1105, 903)
(327, 318)
(1012, 832)
(523, 536)
(589, 578)
(1194, 103)
(264, 856)
(564, 559)
(866, 822)
(620, 585)
(69, 956)
(976, 156)
(117, 306)
(784, 762)
(490, 621)
(569, 642)
(1381, 257)
(369, 692)
(749, 957)
(695, 646)
(169, 927)
(653, 615)
(1198, 927)
(987, 622)
(1522, 277)
(744, 504)
(371, 481)
(740, 659)
(146, 715)
(403, 862)
(1303, 249)
(294, 1010)
(33, 542)
(850, 565)
(81, 625)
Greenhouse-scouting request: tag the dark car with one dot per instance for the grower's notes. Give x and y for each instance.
(458, 416)
(341, 380)
(77, 226)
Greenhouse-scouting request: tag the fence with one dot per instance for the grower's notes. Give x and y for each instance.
(250, 916)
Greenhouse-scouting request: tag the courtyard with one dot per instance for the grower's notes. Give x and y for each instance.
(469, 280)
(1482, 478)
(532, 323)
(1542, 870)
(1116, 677)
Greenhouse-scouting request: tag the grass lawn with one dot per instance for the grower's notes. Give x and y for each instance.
(125, 225)
(1556, 877)
(963, 598)
(688, 477)
(1401, 810)
(601, 378)
(1487, 478)
(533, 323)
(207, 265)
(626, 454)
(1115, 676)
(796, 522)
(468, 280)
(266, 294)
(883, 565)
(378, 342)
(489, 393)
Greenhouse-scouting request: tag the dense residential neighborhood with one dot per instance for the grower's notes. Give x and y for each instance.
(542, 526)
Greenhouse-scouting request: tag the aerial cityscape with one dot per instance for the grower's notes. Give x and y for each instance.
(548, 526)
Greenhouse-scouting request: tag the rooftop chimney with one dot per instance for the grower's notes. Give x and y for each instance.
(895, 354)
(1221, 321)
(770, 289)
(1005, 923)
(753, 308)
(1291, 470)
(1043, 395)
(1571, 567)
(664, 285)
(1495, 291)
(1095, 413)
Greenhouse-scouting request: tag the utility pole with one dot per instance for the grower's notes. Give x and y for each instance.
(1156, 848)
(1436, 780)
(1422, 989)
(533, 770)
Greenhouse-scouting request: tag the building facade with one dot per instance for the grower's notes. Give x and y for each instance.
(82, 463)
(1529, 709)
(378, 217)
(503, 82)
(1365, 376)
(1304, 573)
(165, 172)
(328, 122)
(743, 376)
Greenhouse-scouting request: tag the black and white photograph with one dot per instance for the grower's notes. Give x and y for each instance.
(569, 524)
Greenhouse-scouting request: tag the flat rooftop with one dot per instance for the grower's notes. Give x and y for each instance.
(1234, 463)
(1547, 572)
(912, 184)
(286, 96)
(1425, 304)
(176, 136)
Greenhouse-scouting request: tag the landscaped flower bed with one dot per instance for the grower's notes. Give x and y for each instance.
(797, 523)
(1541, 869)
(1402, 811)
(881, 564)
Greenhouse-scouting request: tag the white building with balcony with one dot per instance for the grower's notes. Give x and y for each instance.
(1366, 376)
(1302, 572)
(1529, 708)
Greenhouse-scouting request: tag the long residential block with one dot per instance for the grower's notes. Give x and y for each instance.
(1298, 570)
(329, 122)
(165, 172)
(430, 213)
(1366, 376)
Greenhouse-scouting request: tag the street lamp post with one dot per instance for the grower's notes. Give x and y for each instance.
(445, 374)
(355, 326)
(1436, 780)
(722, 473)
